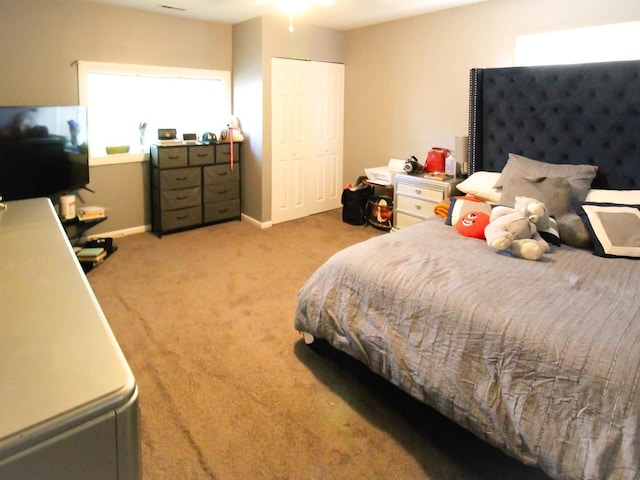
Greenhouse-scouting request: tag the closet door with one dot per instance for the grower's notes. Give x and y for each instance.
(307, 138)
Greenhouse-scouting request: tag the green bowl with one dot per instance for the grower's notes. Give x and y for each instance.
(117, 149)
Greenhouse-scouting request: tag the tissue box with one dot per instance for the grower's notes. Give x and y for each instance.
(384, 175)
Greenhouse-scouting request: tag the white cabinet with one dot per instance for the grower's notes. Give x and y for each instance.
(415, 197)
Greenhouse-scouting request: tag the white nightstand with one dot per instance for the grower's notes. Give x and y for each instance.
(414, 197)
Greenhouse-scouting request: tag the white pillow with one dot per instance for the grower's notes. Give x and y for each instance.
(626, 197)
(481, 184)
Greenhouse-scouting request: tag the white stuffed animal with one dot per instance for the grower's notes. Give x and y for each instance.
(515, 229)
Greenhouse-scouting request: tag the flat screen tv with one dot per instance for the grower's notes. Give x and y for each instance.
(43, 151)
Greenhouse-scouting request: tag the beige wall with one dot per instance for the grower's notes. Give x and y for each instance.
(255, 42)
(407, 81)
(40, 40)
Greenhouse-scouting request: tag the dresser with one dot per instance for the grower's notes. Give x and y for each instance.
(194, 185)
(69, 404)
(415, 196)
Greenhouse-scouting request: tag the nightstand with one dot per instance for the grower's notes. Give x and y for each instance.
(415, 196)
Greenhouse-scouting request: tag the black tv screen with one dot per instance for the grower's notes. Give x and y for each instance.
(43, 151)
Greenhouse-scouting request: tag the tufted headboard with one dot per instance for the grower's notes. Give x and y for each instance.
(578, 114)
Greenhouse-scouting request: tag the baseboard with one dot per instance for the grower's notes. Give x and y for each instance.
(147, 228)
(119, 233)
(256, 223)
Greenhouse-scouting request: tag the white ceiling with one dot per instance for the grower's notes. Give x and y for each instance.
(343, 15)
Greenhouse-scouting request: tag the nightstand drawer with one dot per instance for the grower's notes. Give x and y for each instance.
(415, 206)
(421, 192)
(404, 220)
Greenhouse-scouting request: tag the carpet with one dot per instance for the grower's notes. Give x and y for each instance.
(227, 388)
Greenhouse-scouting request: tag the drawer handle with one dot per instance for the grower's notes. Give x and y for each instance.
(223, 210)
(182, 217)
(418, 207)
(181, 197)
(418, 191)
(202, 155)
(174, 157)
(222, 192)
(181, 179)
(222, 174)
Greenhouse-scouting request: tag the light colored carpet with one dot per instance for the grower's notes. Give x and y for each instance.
(227, 389)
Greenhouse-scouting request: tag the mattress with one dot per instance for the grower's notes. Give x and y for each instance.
(540, 359)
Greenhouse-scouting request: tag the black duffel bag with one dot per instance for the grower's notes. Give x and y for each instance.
(354, 202)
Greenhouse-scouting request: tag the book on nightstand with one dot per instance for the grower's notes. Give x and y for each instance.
(438, 176)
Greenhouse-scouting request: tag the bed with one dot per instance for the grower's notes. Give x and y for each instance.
(539, 358)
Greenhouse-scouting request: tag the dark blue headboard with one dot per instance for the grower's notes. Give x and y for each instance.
(578, 114)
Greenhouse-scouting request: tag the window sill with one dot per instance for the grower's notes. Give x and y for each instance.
(116, 159)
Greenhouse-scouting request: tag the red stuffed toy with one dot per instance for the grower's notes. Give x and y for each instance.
(473, 224)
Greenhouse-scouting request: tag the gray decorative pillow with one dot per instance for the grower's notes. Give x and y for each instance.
(555, 193)
(578, 176)
(615, 229)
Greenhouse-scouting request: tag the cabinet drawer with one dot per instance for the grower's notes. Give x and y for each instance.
(416, 206)
(221, 191)
(201, 155)
(221, 210)
(432, 194)
(182, 218)
(404, 220)
(170, 157)
(174, 199)
(220, 174)
(223, 153)
(177, 178)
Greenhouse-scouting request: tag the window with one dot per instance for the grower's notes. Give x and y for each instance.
(591, 44)
(127, 104)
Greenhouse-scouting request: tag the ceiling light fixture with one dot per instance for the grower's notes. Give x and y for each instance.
(291, 8)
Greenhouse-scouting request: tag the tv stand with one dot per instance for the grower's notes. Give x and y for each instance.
(76, 228)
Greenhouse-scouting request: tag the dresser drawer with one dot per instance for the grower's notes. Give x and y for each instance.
(220, 174)
(221, 210)
(221, 191)
(415, 206)
(186, 217)
(426, 193)
(223, 153)
(201, 155)
(176, 178)
(174, 199)
(170, 157)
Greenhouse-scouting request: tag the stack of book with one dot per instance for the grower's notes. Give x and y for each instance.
(92, 255)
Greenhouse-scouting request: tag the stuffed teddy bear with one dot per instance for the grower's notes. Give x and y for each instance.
(556, 194)
(510, 229)
(537, 212)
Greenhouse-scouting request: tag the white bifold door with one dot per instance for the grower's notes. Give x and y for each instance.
(307, 137)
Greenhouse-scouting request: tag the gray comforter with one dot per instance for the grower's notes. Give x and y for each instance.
(541, 359)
